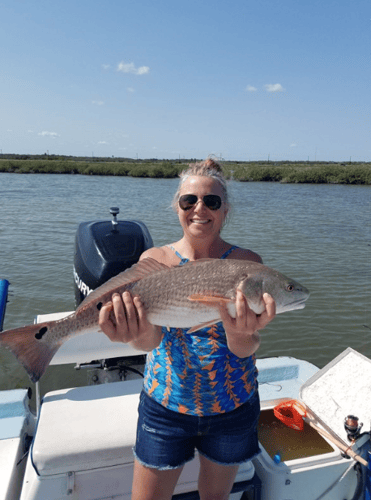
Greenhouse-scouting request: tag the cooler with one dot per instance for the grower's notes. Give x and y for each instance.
(302, 464)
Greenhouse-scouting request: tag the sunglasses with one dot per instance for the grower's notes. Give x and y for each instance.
(211, 201)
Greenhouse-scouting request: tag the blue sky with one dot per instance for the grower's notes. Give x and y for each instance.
(241, 79)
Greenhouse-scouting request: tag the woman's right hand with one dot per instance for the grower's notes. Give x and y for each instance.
(125, 320)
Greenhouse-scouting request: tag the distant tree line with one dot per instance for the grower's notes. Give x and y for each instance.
(258, 171)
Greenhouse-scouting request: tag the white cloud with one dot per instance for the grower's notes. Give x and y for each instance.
(102, 142)
(130, 89)
(44, 133)
(274, 87)
(98, 103)
(250, 88)
(130, 68)
(106, 66)
(293, 145)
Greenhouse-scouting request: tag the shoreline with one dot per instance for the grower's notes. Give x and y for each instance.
(262, 171)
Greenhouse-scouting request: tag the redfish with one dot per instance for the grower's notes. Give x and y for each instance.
(186, 296)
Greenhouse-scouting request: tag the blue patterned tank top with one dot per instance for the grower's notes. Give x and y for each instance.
(196, 373)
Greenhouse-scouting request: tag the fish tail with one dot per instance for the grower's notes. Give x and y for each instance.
(29, 348)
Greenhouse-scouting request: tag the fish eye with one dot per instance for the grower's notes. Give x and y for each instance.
(290, 287)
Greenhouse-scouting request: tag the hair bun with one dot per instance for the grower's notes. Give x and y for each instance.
(205, 167)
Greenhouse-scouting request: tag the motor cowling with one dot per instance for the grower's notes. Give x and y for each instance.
(104, 249)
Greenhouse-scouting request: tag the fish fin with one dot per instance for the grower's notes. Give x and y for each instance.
(212, 300)
(203, 325)
(27, 346)
(140, 270)
(207, 300)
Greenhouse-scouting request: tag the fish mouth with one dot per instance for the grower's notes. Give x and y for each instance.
(292, 306)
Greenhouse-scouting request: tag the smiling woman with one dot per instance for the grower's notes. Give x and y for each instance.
(200, 221)
(207, 168)
(214, 189)
(192, 375)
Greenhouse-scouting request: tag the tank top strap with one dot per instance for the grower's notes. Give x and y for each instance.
(183, 260)
(225, 255)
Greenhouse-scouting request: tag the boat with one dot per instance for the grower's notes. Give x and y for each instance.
(77, 444)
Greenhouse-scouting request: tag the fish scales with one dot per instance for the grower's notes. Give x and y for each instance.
(167, 303)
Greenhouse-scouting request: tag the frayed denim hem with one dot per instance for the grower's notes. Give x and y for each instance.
(230, 463)
(160, 467)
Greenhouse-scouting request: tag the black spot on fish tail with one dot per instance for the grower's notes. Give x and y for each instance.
(39, 335)
(25, 344)
(99, 305)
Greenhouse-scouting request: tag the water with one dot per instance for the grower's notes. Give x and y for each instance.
(317, 234)
(283, 443)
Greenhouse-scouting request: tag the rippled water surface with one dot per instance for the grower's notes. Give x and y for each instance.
(319, 235)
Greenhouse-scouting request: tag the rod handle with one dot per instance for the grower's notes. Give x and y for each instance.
(342, 446)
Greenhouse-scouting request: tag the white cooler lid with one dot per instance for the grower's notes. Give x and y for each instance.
(341, 388)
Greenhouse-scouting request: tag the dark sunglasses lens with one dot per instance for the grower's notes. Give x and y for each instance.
(213, 201)
(187, 201)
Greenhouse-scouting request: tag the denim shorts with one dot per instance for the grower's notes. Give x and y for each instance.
(167, 439)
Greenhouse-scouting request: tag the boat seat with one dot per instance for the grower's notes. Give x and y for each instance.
(94, 427)
(67, 438)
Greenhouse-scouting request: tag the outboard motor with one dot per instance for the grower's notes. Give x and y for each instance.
(104, 249)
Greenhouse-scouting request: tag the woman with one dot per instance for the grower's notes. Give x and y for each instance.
(200, 389)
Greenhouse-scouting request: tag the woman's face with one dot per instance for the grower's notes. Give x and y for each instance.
(200, 221)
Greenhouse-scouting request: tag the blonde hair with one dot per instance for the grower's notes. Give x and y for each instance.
(206, 168)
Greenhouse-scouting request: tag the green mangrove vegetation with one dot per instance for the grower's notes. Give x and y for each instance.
(293, 172)
(259, 171)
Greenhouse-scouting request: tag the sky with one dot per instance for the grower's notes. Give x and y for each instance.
(240, 79)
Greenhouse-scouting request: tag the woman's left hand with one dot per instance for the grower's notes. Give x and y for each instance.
(242, 331)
